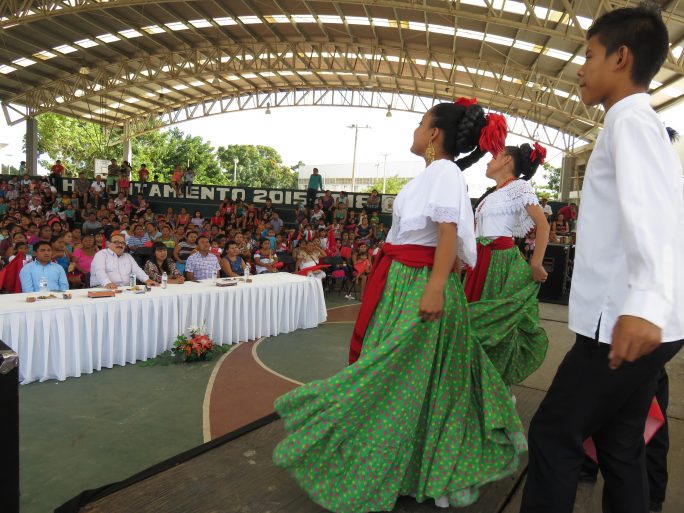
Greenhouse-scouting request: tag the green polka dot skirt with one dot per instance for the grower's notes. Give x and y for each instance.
(506, 318)
(423, 412)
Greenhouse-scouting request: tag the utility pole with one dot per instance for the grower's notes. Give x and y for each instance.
(384, 173)
(356, 128)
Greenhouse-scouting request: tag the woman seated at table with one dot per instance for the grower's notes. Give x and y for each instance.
(559, 228)
(265, 259)
(309, 256)
(82, 258)
(232, 264)
(160, 262)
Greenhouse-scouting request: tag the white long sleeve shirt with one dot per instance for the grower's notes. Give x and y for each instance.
(108, 268)
(630, 244)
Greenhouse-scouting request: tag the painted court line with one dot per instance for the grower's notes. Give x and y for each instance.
(206, 426)
(268, 369)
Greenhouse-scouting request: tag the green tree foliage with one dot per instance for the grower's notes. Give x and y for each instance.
(163, 150)
(77, 143)
(258, 166)
(393, 186)
(550, 189)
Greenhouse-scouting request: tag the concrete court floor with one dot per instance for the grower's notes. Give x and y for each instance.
(300, 356)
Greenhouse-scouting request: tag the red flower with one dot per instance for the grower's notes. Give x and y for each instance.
(493, 135)
(466, 102)
(538, 154)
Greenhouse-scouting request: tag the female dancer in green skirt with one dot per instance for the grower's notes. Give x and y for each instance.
(502, 288)
(423, 411)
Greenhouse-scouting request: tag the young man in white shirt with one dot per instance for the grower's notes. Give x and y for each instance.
(627, 297)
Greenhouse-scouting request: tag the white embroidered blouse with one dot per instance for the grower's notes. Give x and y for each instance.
(503, 213)
(437, 195)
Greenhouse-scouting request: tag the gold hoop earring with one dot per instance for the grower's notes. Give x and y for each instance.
(430, 153)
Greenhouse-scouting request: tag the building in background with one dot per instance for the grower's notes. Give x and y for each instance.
(338, 177)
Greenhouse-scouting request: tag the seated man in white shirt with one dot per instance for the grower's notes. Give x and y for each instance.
(98, 185)
(112, 267)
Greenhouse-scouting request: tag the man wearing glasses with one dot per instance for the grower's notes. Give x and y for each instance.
(112, 267)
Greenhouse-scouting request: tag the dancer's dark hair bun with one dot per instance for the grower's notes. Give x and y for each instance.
(526, 159)
(462, 126)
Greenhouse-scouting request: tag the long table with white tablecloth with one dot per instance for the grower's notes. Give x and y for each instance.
(61, 338)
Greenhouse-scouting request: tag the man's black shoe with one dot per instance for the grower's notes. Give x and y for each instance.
(656, 507)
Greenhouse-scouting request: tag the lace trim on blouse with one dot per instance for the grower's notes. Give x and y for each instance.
(512, 199)
(435, 213)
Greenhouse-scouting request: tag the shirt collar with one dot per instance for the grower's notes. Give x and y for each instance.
(628, 101)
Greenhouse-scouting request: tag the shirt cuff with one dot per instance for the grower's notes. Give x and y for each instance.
(649, 305)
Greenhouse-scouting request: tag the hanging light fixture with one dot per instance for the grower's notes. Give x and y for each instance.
(216, 82)
(268, 108)
(389, 112)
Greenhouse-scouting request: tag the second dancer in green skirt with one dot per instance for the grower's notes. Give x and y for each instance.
(502, 288)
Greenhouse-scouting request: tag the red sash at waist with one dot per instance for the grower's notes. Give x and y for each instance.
(475, 278)
(410, 255)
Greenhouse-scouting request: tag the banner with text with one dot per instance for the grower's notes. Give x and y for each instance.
(214, 194)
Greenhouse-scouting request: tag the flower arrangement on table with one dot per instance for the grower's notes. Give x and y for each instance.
(195, 346)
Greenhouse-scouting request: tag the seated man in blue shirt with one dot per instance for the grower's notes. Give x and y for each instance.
(42, 267)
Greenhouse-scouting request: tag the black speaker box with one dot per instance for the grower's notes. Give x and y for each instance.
(556, 264)
(9, 430)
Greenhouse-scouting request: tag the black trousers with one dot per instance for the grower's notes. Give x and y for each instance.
(656, 450)
(585, 399)
(311, 197)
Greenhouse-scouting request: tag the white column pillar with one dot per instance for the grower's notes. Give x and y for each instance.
(31, 146)
(567, 172)
(127, 148)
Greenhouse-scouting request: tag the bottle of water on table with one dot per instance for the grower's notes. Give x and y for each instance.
(132, 281)
(246, 272)
(43, 285)
(165, 280)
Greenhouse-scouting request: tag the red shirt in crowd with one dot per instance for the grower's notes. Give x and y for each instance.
(57, 169)
(568, 213)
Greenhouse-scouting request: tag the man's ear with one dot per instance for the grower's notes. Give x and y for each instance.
(622, 58)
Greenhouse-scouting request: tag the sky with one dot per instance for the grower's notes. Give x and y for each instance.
(321, 135)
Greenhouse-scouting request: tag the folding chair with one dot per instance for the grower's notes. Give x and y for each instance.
(287, 260)
(336, 271)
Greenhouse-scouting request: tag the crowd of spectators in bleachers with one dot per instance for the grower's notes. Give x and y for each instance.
(331, 239)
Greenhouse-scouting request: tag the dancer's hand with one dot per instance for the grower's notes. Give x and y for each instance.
(431, 304)
(539, 274)
(633, 337)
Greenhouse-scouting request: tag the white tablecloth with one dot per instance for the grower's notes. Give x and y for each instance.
(61, 338)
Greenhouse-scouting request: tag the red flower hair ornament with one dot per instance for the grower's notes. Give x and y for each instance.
(538, 154)
(493, 135)
(466, 102)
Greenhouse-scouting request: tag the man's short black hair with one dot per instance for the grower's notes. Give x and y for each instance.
(40, 244)
(202, 237)
(642, 30)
